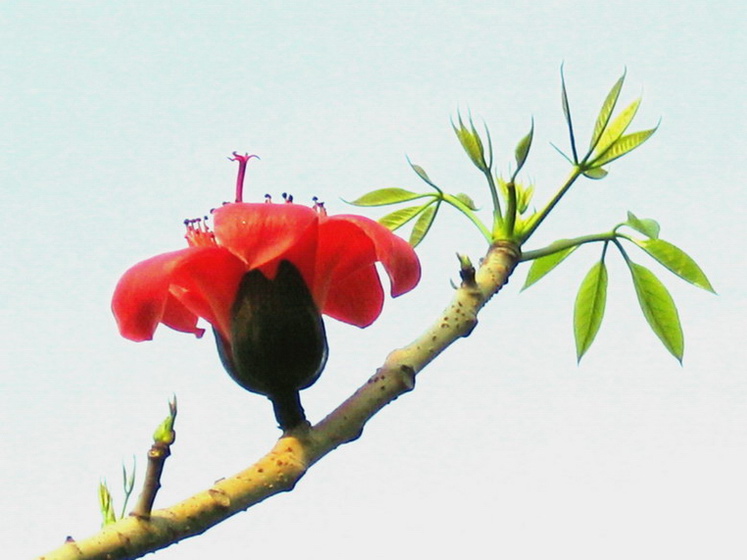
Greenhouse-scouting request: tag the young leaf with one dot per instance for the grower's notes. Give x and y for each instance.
(541, 266)
(648, 227)
(588, 310)
(472, 144)
(398, 218)
(565, 157)
(423, 224)
(524, 197)
(466, 200)
(522, 149)
(106, 505)
(595, 173)
(623, 145)
(617, 127)
(422, 174)
(606, 112)
(676, 260)
(658, 309)
(382, 197)
(567, 113)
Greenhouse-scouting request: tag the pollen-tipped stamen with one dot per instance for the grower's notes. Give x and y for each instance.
(319, 206)
(198, 233)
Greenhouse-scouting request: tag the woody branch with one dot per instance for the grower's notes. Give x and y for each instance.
(298, 449)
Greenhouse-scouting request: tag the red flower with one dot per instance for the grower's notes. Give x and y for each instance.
(335, 255)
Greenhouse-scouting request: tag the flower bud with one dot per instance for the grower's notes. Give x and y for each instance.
(278, 343)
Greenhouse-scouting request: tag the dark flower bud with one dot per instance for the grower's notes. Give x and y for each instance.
(278, 344)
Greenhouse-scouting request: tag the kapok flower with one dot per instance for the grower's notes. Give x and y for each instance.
(255, 253)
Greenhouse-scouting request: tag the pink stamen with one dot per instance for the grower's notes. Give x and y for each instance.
(319, 206)
(198, 233)
(242, 172)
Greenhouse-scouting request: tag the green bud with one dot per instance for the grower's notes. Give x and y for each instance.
(472, 144)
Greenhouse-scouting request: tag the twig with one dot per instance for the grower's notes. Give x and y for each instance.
(157, 455)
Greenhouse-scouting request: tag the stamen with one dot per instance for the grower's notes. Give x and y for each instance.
(198, 233)
(268, 199)
(319, 206)
(288, 198)
(242, 172)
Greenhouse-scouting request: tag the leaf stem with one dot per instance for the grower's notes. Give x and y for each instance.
(497, 215)
(539, 217)
(568, 243)
(464, 209)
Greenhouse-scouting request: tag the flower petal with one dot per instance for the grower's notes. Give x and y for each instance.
(263, 234)
(343, 251)
(142, 299)
(356, 299)
(206, 283)
(397, 255)
(175, 289)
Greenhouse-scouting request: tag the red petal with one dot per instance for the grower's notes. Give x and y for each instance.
(263, 234)
(356, 299)
(344, 250)
(397, 255)
(142, 299)
(206, 283)
(175, 289)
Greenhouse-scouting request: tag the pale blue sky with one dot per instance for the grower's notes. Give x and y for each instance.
(117, 118)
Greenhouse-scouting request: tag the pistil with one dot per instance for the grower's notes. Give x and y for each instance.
(242, 172)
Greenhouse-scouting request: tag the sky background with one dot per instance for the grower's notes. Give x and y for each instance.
(117, 120)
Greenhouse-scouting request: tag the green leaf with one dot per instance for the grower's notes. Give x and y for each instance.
(588, 310)
(398, 218)
(423, 224)
(626, 144)
(676, 260)
(522, 149)
(606, 112)
(466, 200)
(649, 228)
(106, 505)
(567, 113)
(382, 197)
(595, 173)
(524, 197)
(541, 266)
(423, 175)
(471, 142)
(617, 127)
(658, 309)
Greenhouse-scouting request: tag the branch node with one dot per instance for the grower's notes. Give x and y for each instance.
(466, 271)
(408, 377)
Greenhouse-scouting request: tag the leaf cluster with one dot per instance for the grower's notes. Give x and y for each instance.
(513, 221)
(655, 301)
(423, 213)
(608, 141)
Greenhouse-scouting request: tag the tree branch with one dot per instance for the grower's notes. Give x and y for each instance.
(298, 449)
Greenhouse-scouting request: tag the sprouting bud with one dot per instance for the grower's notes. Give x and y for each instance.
(165, 433)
